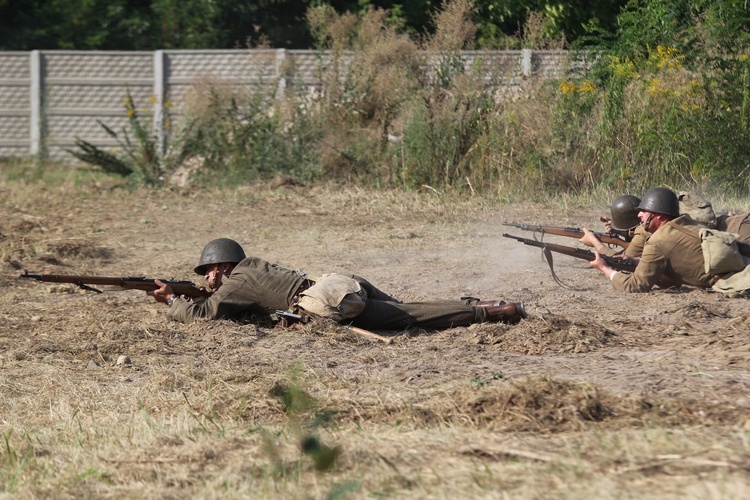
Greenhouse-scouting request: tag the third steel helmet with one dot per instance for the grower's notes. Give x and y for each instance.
(624, 211)
(660, 201)
(218, 251)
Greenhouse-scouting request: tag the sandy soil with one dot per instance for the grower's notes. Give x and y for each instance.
(667, 358)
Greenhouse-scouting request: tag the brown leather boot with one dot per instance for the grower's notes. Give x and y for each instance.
(512, 312)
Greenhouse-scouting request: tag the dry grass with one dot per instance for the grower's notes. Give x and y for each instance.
(576, 402)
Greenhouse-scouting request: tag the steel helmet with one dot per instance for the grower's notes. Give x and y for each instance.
(660, 201)
(624, 211)
(218, 251)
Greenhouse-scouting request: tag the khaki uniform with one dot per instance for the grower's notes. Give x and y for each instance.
(738, 224)
(257, 288)
(635, 248)
(674, 251)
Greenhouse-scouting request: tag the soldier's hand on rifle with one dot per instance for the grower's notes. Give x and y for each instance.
(607, 223)
(163, 293)
(601, 265)
(590, 240)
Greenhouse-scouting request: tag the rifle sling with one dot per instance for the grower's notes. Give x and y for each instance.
(548, 255)
(84, 286)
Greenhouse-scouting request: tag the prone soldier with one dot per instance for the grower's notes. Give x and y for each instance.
(674, 249)
(624, 220)
(244, 286)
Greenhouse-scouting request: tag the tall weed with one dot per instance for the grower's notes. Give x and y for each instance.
(138, 157)
(240, 134)
(653, 108)
(372, 71)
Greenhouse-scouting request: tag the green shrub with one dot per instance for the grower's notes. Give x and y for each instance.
(138, 158)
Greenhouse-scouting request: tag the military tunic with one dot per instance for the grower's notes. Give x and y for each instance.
(635, 248)
(738, 224)
(255, 287)
(674, 251)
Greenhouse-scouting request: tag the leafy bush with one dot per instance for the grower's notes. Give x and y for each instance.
(674, 96)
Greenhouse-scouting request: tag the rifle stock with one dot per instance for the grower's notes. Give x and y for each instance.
(579, 253)
(610, 239)
(186, 288)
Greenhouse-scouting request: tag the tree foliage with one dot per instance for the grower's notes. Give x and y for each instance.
(216, 24)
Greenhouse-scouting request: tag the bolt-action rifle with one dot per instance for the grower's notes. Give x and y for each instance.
(611, 239)
(186, 288)
(579, 253)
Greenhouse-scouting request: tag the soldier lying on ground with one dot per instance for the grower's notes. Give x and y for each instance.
(248, 286)
(674, 249)
(623, 216)
(624, 220)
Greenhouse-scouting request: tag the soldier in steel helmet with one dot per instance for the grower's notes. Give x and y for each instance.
(624, 221)
(623, 218)
(245, 286)
(673, 250)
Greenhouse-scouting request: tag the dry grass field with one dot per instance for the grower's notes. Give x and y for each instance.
(596, 395)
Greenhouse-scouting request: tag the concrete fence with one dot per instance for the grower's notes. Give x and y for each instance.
(50, 98)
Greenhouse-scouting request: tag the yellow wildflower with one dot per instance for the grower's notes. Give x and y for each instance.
(655, 87)
(566, 87)
(623, 68)
(587, 86)
(666, 57)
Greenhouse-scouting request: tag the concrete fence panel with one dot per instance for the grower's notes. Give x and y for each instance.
(50, 98)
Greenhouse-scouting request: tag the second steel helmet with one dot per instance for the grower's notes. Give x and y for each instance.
(218, 251)
(660, 201)
(624, 211)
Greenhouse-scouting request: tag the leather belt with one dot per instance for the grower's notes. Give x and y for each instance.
(306, 283)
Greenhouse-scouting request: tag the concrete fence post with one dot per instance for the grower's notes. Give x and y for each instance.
(159, 91)
(35, 96)
(526, 63)
(281, 86)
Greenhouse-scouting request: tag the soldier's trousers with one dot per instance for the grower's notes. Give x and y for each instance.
(383, 312)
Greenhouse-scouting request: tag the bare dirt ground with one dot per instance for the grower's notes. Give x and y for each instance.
(596, 394)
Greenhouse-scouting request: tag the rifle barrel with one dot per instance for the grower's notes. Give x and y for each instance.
(617, 264)
(186, 288)
(571, 232)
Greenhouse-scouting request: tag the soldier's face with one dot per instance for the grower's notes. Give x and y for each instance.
(215, 274)
(651, 221)
(643, 216)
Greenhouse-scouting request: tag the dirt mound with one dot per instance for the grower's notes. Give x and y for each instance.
(549, 333)
(544, 404)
